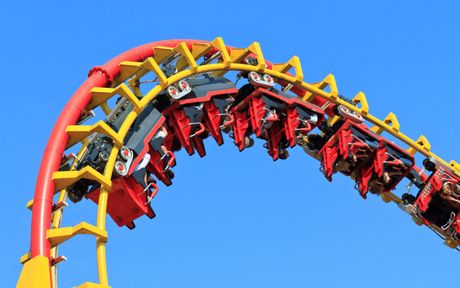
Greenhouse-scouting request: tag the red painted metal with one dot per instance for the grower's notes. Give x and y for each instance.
(127, 201)
(44, 189)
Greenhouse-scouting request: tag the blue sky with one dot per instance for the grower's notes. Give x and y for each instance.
(237, 219)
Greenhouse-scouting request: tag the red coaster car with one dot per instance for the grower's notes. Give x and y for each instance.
(350, 150)
(202, 110)
(127, 201)
(438, 203)
(272, 115)
(391, 164)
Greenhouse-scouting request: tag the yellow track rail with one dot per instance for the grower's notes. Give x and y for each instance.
(230, 60)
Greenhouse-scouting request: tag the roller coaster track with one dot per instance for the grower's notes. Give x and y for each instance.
(110, 80)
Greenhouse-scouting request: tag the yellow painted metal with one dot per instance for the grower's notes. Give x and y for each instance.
(79, 132)
(105, 107)
(92, 285)
(294, 62)
(24, 258)
(230, 61)
(328, 81)
(58, 235)
(160, 53)
(451, 243)
(200, 49)
(422, 142)
(183, 50)
(102, 204)
(390, 120)
(101, 95)
(63, 179)
(128, 68)
(152, 65)
(219, 45)
(30, 204)
(35, 273)
(360, 98)
(390, 197)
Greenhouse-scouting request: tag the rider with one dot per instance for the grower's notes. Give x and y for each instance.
(450, 193)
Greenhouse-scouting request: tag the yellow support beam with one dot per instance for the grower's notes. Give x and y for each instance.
(63, 179)
(79, 132)
(454, 165)
(151, 65)
(328, 81)
(30, 204)
(92, 285)
(294, 62)
(105, 107)
(161, 53)
(451, 243)
(360, 98)
(422, 142)
(390, 197)
(186, 54)
(24, 258)
(200, 49)
(238, 55)
(59, 235)
(128, 68)
(102, 94)
(219, 45)
(35, 273)
(391, 121)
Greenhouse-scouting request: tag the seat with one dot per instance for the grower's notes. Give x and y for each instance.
(390, 165)
(160, 162)
(352, 143)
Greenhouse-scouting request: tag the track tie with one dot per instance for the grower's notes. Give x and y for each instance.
(59, 235)
(79, 132)
(219, 44)
(294, 62)
(102, 94)
(128, 68)
(391, 121)
(360, 98)
(187, 56)
(63, 179)
(161, 53)
(329, 80)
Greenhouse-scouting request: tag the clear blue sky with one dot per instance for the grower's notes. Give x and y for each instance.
(237, 219)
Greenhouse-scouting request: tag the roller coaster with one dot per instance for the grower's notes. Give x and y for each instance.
(164, 96)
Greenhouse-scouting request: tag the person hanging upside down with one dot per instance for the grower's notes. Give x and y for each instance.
(450, 193)
(157, 143)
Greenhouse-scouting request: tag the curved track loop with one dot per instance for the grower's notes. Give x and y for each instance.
(109, 80)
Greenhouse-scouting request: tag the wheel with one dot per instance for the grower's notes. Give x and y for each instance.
(429, 165)
(173, 92)
(76, 192)
(248, 142)
(126, 153)
(283, 154)
(269, 79)
(254, 77)
(104, 156)
(408, 199)
(183, 85)
(121, 168)
(170, 174)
